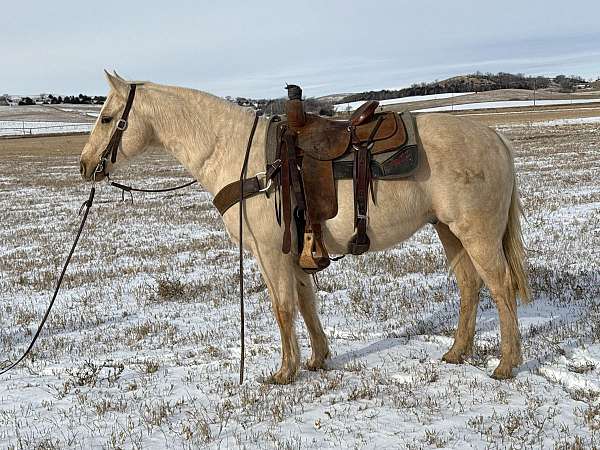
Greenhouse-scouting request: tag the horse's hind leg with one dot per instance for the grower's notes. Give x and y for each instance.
(308, 309)
(469, 283)
(489, 260)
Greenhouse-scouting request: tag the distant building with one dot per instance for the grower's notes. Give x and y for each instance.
(13, 100)
(42, 99)
(3, 100)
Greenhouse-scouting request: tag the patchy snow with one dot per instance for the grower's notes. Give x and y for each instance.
(141, 350)
(351, 106)
(574, 121)
(508, 104)
(554, 123)
(84, 110)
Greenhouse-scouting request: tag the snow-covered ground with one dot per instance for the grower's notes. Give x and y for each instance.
(508, 104)
(142, 348)
(84, 110)
(351, 106)
(24, 128)
(573, 121)
(92, 113)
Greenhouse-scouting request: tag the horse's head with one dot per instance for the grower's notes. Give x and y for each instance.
(111, 133)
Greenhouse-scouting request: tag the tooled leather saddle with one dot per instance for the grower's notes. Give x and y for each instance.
(306, 153)
(315, 151)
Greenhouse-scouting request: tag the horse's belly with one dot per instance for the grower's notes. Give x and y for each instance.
(401, 210)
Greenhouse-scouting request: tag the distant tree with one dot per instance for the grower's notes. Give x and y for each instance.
(317, 106)
(567, 85)
(467, 83)
(27, 101)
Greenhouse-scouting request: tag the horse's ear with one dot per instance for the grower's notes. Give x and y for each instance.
(119, 76)
(117, 84)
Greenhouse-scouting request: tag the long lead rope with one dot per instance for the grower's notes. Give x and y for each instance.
(87, 205)
(241, 255)
(111, 149)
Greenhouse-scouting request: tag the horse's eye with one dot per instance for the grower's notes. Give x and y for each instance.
(105, 119)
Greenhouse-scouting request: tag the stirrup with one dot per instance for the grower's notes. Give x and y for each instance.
(314, 256)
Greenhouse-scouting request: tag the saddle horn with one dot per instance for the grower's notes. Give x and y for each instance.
(294, 107)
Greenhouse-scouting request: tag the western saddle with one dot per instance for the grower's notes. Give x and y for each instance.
(306, 153)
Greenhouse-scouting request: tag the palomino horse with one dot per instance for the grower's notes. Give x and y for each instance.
(465, 186)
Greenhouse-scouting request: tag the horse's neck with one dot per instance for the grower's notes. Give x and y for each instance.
(208, 135)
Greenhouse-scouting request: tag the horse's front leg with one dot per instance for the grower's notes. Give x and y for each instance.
(278, 272)
(307, 304)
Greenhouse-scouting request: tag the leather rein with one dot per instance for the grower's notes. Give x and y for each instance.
(112, 149)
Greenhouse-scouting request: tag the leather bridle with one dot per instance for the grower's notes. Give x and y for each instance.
(113, 145)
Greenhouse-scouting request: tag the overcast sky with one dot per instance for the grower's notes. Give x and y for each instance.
(252, 48)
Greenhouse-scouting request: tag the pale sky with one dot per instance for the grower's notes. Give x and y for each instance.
(252, 48)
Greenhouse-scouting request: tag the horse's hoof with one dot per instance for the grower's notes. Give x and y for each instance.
(315, 363)
(502, 372)
(280, 377)
(453, 357)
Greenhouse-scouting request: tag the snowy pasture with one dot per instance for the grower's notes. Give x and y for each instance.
(142, 348)
(351, 106)
(508, 104)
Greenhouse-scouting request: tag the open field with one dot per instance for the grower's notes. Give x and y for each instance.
(496, 96)
(142, 348)
(47, 119)
(520, 116)
(50, 113)
(438, 100)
